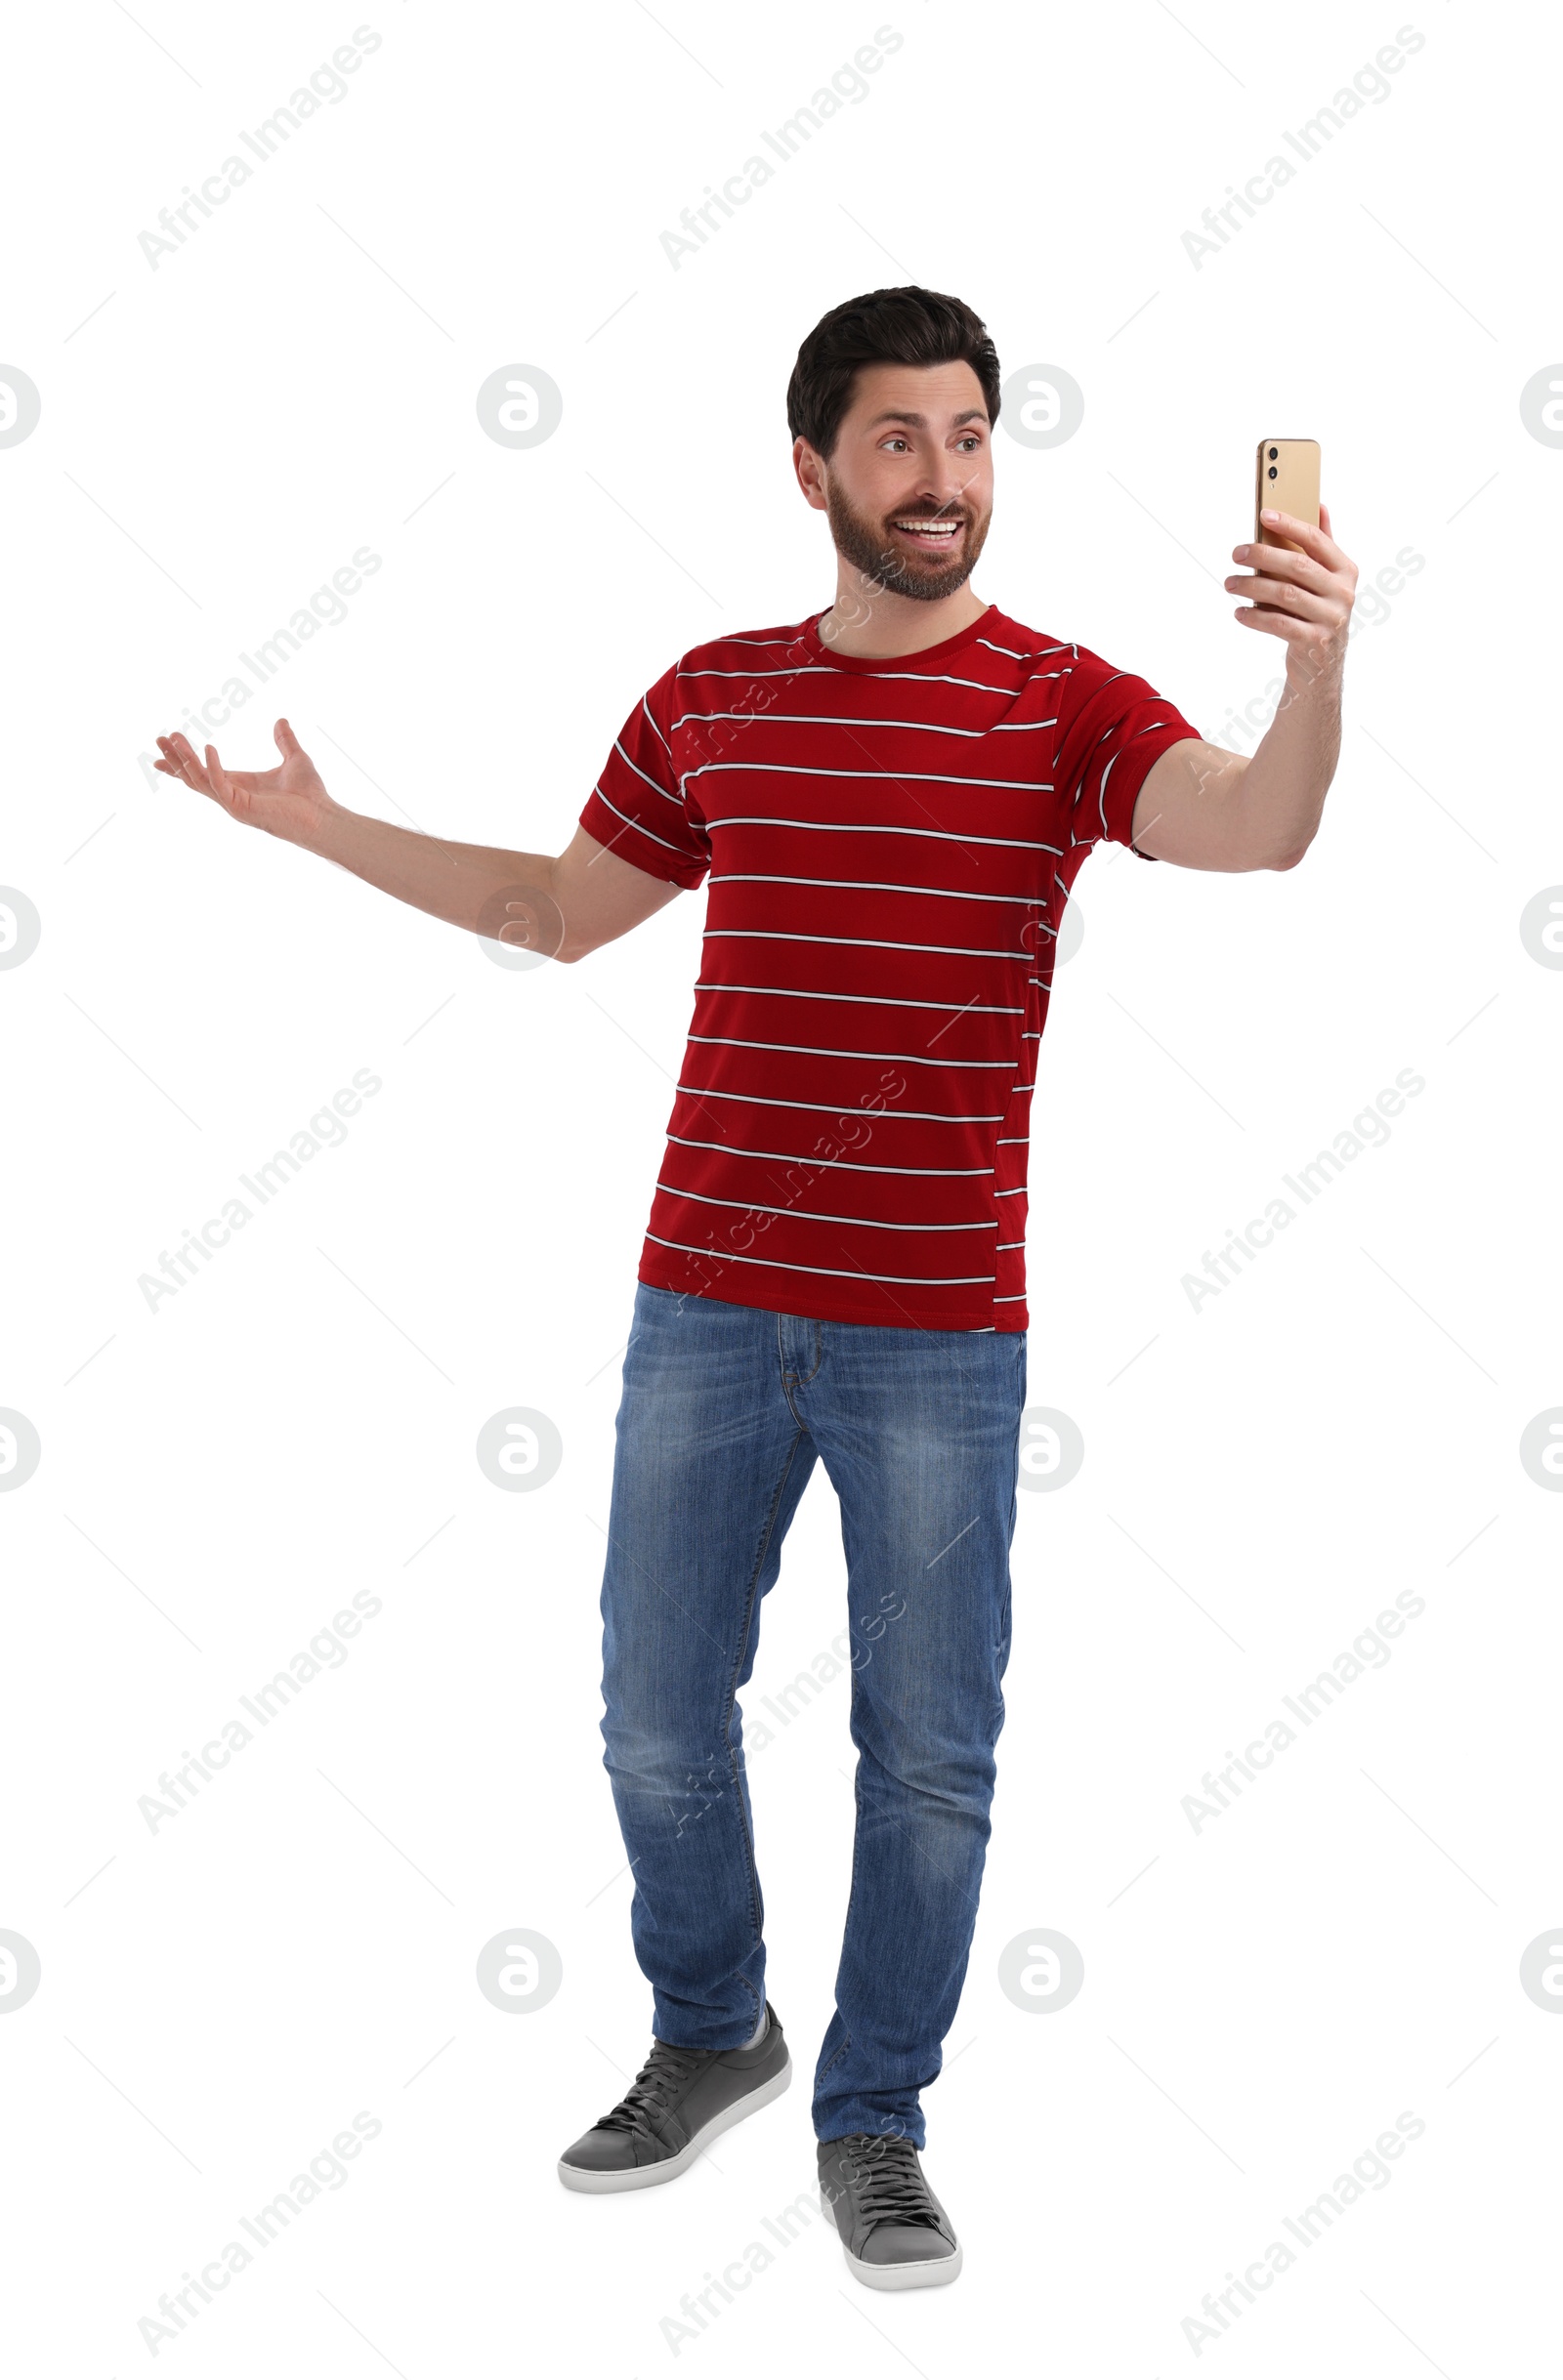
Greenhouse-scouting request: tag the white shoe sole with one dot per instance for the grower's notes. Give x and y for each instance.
(928, 2273)
(647, 2177)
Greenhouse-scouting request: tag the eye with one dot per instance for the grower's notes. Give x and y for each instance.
(894, 439)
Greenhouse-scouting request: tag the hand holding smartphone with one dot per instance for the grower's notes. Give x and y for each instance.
(1318, 586)
(1287, 479)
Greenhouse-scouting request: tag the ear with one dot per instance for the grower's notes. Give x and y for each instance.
(810, 469)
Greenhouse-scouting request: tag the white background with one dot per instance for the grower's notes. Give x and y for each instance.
(1262, 1997)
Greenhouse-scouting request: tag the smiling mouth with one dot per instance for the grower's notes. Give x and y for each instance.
(929, 536)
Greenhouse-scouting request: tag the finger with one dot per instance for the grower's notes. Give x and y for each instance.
(180, 763)
(1314, 541)
(1283, 562)
(287, 742)
(1323, 520)
(184, 752)
(1275, 623)
(1303, 602)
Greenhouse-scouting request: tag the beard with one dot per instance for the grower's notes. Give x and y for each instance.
(895, 570)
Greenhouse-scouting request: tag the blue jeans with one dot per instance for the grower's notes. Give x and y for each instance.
(725, 1411)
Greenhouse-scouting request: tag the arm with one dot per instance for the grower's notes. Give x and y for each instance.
(564, 907)
(1204, 808)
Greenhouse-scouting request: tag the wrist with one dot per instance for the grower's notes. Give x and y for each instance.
(1315, 669)
(321, 830)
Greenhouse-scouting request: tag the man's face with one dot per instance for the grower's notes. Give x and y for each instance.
(909, 487)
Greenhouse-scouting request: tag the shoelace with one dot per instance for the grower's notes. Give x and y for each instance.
(888, 2180)
(665, 2072)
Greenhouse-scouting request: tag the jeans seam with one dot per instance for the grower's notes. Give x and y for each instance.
(732, 1683)
(835, 2060)
(852, 1894)
(798, 1380)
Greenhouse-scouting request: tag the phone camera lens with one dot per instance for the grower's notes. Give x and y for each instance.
(1272, 470)
(1274, 452)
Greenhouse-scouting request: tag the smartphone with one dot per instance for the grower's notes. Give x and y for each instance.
(1286, 475)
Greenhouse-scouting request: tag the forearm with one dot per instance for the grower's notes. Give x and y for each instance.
(1302, 590)
(464, 883)
(564, 907)
(1285, 781)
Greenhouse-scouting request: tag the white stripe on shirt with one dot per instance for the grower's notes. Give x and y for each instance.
(913, 1280)
(805, 1049)
(645, 779)
(895, 777)
(865, 999)
(834, 1106)
(906, 677)
(854, 941)
(933, 834)
(825, 719)
(675, 849)
(847, 1165)
(873, 1222)
(853, 883)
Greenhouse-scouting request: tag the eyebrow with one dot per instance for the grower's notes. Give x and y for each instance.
(919, 421)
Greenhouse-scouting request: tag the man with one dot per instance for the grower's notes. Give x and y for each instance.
(891, 800)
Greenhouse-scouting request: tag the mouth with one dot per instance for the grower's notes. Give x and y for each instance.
(928, 533)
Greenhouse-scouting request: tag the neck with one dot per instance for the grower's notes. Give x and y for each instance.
(868, 623)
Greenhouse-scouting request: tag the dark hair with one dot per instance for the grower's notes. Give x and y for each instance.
(912, 325)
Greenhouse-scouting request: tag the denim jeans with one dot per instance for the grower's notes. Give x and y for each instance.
(725, 1411)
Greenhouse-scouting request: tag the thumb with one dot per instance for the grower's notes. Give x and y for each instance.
(287, 742)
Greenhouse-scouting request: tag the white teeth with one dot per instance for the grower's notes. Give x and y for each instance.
(930, 529)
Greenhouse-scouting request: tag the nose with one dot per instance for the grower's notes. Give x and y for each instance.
(949, 481)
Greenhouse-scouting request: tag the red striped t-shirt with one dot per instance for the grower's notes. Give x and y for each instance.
(890, 845)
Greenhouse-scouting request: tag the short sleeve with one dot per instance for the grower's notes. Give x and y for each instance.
(637, 809)
(1112, 727)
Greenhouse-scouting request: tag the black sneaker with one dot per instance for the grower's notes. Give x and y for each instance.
(894, 2233)
(680, 2100)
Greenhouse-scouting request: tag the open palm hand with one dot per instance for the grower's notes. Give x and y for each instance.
(287, 800)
